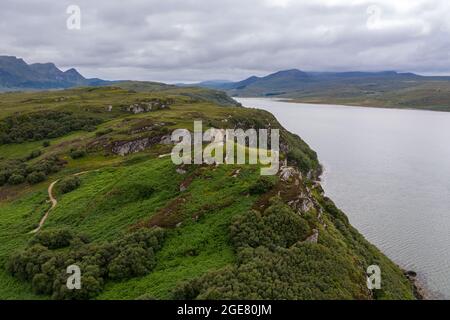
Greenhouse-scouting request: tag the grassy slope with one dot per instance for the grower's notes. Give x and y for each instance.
(106, 204)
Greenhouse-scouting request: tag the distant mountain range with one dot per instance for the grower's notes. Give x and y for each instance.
(289, 81)
(16, 74)
(377, 89)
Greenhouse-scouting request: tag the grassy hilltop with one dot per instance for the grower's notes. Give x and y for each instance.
(142, 228)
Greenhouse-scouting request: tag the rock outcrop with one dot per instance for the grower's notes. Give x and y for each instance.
(147, 106)
(127, 147)
(314, 238)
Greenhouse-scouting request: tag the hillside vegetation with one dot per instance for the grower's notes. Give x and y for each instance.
(141, 227)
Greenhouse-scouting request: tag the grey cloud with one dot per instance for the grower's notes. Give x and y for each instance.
(190, 40)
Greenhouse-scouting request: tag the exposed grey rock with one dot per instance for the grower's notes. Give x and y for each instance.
(181, 171)
(314, 238)
(286, 173)
(147, 106)
(166, 140)
(139, 108)
(411, 274)
(127, 147)
(236, 173)
(307, 205)
(130, 147)
(142, 129)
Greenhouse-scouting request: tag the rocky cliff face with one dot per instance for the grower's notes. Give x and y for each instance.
(298, 195)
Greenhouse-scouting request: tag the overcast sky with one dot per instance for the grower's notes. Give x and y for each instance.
(191, 40)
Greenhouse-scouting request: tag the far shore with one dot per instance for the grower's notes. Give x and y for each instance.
(349, 104)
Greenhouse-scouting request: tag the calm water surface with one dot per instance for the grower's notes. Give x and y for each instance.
(389, 170)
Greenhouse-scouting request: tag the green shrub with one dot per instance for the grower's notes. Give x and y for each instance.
(16, 179)
(36, 177)
(27, 263)
(262, 185)
(69, 184)
(132, 261)
(41, 284)
(300, 159)
(4, 176)
(54, 239)
(278, 226)
(48, 165)
(92, 284)
(46, 144)
(77, 154)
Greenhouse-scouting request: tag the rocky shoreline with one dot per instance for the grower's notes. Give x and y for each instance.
(421, 292)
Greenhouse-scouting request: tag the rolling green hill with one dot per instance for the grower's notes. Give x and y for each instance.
(140, 227)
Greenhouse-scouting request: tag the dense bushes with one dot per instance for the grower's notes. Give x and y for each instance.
(55, 239)
(43, 125)
(77, 154)
(301, 160)
(16, 178)
(278, 226)
(69, 184)
(130, 256)
(131, 261)
(36, 177)
(274, 262)
(16, 172)
(303, 272)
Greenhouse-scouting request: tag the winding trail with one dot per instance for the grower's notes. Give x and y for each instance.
(53, 201)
